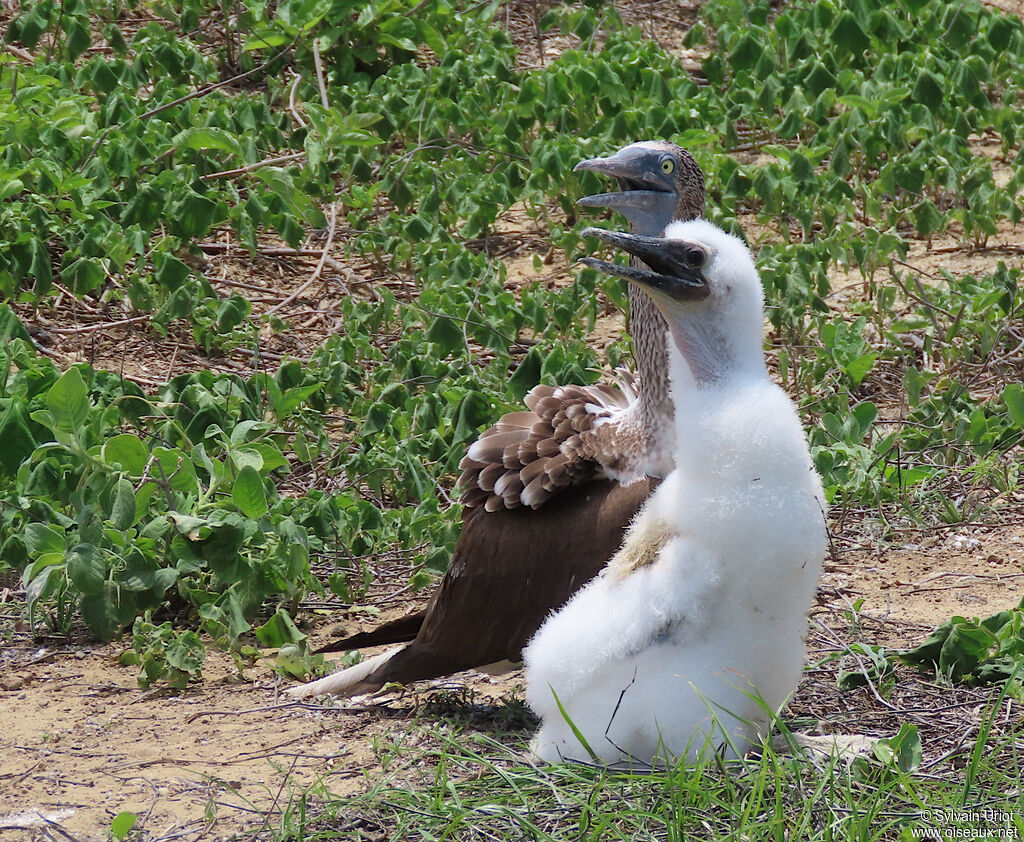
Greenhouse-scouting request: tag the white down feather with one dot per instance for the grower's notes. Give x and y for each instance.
(687, 653)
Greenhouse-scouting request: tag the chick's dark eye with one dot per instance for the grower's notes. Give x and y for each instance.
(695, 257)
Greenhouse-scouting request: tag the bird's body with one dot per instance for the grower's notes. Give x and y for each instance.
(548, 491)
(694, 631)
(479, 596)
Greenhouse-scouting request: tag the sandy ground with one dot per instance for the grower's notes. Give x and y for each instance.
(80, 742)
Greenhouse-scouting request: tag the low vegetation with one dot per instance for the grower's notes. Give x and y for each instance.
(843, 137)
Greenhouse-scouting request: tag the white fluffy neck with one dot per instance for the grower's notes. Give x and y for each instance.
(706, 383)
(705, 356)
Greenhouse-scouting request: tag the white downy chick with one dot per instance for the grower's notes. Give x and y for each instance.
(693, 635)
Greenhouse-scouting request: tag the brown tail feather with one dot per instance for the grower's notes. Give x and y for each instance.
(401, 630)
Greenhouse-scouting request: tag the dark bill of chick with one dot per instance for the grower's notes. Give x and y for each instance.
(691, 638)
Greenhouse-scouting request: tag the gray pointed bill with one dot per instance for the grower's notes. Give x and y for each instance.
(648, 196)
(674, 267)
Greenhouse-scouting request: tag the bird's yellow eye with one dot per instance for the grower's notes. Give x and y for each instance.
(667, 166)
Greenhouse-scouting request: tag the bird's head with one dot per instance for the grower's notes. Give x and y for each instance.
(658, 182)
(704, 283)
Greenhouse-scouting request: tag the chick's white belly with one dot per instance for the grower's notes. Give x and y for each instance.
(695, 649)
(674, 699)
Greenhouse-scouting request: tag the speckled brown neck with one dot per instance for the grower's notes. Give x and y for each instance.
(648, 329)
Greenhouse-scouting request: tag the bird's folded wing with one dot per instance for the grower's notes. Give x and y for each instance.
(569, 435)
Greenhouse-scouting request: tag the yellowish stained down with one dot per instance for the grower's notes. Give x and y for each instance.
(642, 547)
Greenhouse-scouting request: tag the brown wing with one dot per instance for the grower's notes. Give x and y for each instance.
(511, 569)
(530, 455)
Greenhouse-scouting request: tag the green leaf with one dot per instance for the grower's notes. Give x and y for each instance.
(293, 662)
(746, 53)
(927, 218)
(11, 326)
(84, 275)
(177, 468)
(17, 438)
(1000, 32)
(1013, 397)
(208, 138)
(848, 34)
(249, 494)
(171, 273)
(86, 569)
(68, 402)
(142, 500)
(904, 750)
(186, 652)
(40, 538)
(232, 311)
(122, 824)
(107, 613)
(928, 651)
(193, 216)
(192, 528)
(247, 457)
(400, 32)
(266, 39)
(122, 510)
(40, 268)
(967, 646)
(279, 630)
(473, 411)
(527, 373)
(445, 333)
(45, 582)
(10, 188)
(142, 573)
(929, 89)
(78, 40)
(293, 398)
(128, 451)
(801, 167)
(859, 367)
(271, 457)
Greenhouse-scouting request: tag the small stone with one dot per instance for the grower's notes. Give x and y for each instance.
(11, 683)
(81, 653)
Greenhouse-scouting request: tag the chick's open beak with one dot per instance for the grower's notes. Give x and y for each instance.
(675, 266)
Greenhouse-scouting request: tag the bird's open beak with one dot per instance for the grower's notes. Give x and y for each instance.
(647, 199)
(675, 265)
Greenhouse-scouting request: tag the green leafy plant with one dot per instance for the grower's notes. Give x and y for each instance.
(895, 756)
(164, 655)
(974, 651)
(838, 131)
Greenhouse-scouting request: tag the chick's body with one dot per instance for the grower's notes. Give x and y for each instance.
(695, 629)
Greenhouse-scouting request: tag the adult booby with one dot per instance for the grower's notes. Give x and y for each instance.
(694, 631)
(548, 491)
(572, 434)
